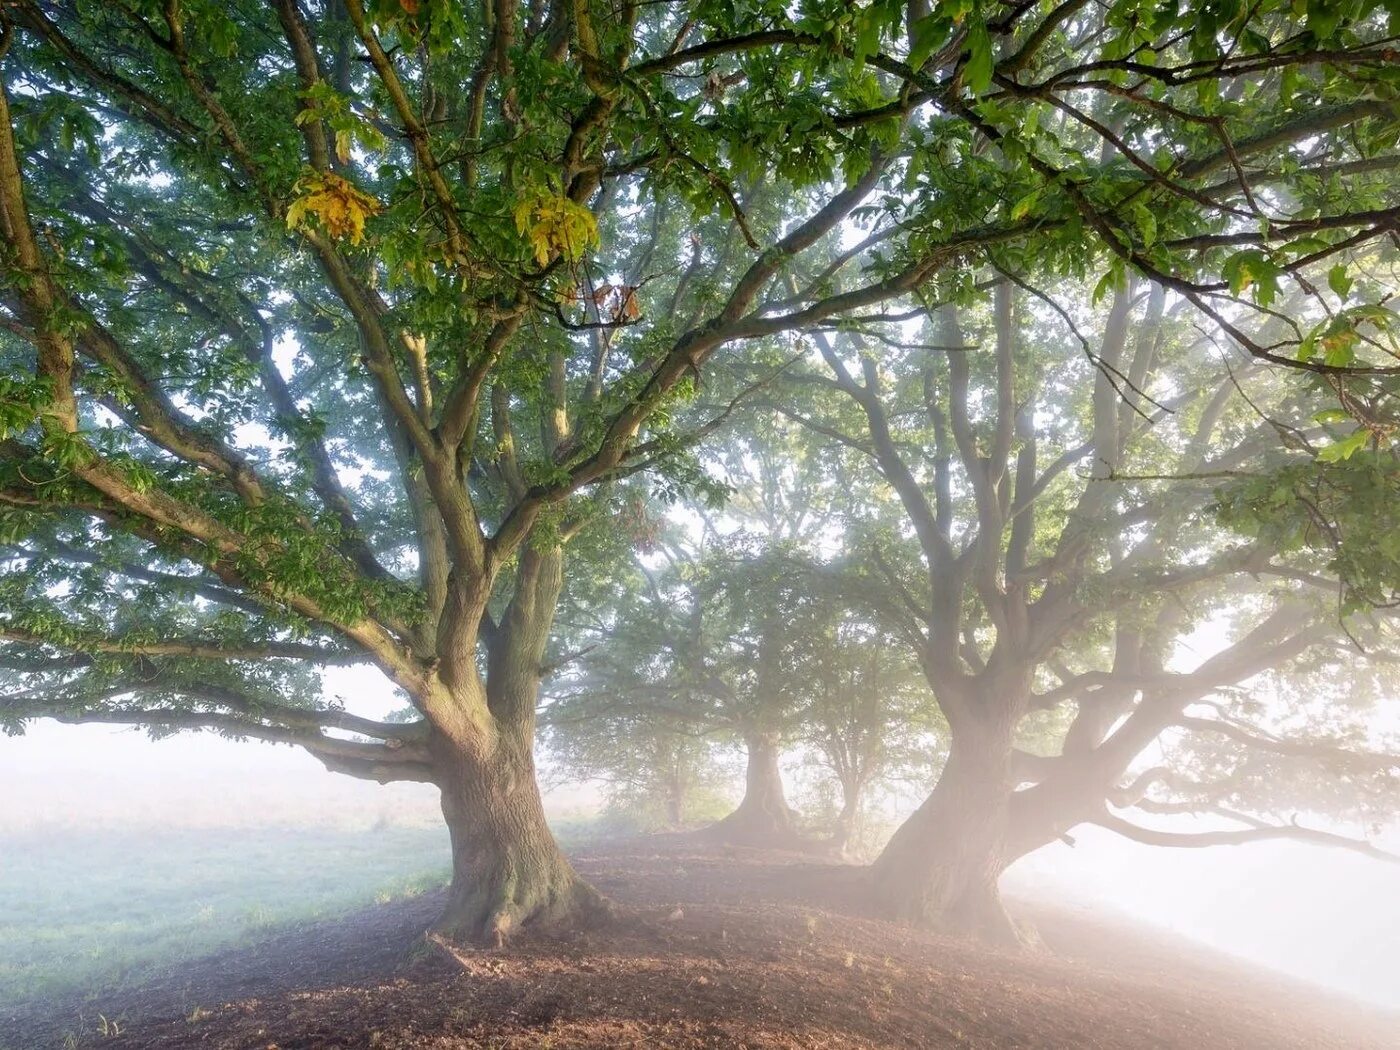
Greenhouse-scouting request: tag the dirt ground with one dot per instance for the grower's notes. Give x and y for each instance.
(720, 947)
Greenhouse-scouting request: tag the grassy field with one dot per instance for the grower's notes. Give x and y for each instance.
(96, 909)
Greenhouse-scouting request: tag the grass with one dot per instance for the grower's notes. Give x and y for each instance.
(89, 911)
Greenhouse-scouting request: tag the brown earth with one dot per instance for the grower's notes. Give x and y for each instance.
(717, 948)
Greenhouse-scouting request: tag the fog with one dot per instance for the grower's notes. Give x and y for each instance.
(1326, 916)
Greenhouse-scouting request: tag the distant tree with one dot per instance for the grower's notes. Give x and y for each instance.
(715, 645)
(868, 714)
(734, 627)
(657, 773)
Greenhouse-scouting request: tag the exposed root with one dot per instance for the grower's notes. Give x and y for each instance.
(938, 901)
(462, 959)
(573, 907)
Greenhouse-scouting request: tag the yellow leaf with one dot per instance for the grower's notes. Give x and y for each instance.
(337, 204)
(555, 226)
(296, 214)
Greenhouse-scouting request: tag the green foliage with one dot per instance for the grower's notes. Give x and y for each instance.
(1339, 505)
(1336, 341)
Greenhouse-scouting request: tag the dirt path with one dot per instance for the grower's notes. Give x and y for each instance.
(764, 953)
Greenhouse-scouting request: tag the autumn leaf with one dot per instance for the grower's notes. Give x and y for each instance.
(334, 202)
(555, 226)
(618, 301)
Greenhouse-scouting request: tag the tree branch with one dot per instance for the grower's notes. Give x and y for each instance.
(1201, 839)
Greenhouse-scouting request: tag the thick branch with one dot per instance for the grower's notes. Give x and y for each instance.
(194, 649)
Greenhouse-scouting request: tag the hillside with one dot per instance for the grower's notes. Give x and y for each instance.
(717, 948)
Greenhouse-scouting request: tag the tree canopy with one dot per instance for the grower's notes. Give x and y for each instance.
(338, 331)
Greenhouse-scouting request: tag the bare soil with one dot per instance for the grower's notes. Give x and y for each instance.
(717, 947)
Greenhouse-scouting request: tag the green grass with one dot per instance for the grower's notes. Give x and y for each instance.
(90, 911)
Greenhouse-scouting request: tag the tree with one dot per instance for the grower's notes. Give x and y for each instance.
(1053, 543)
(316, 352)
(656, 774)
(868, 714)
(715, 643)
(733, 624)
(328, 326)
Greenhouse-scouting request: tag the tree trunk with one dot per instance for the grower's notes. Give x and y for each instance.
(508, 872)
(675, 800)
(942, 865)
(763, 817)
(845, 825)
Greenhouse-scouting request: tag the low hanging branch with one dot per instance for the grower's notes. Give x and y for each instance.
(1201, 839)
(1335, 753)
(199, 650)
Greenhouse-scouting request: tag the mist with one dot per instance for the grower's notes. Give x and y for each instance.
(1325, 916)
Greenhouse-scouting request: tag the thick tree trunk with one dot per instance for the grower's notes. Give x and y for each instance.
(763, 817)
(942, 866)
(508, 872)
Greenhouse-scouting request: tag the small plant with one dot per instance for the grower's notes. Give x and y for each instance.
(108, 1029)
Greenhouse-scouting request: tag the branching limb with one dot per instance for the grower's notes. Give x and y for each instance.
(1261, 740)
(1201, 839)
(375, 761)
(192, 648)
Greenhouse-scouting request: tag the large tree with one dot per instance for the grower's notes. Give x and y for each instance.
(327, 324)
(1054, 547)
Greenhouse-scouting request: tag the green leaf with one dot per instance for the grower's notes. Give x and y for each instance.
(977, 72)
(1252, 269)
(926, 36)
(1110, 281)
(1345, 448)
(1022, 207)
(1338, 280)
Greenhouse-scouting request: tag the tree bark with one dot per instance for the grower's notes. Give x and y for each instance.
(675, 799)
(763, 817)
(942, 866)
(508, 872)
